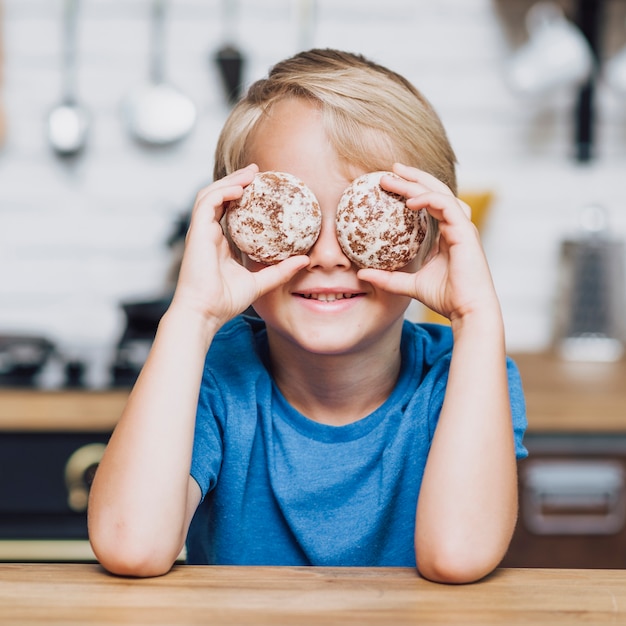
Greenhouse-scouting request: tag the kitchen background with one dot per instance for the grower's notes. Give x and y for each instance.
(80, 236)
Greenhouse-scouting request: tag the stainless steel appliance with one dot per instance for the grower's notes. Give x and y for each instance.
(591, 304)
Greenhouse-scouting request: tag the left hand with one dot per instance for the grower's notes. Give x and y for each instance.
(455, 279)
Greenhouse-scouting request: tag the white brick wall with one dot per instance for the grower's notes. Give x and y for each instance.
(74, 241)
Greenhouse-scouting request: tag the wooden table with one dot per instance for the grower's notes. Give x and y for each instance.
(65, 594)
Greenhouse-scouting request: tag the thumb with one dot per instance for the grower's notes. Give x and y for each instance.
(274, 275)
(400, 283)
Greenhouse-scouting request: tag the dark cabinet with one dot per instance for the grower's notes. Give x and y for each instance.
(44, 483)
(572, 493)
(50, 446)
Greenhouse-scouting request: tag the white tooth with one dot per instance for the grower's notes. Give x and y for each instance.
(328, 297)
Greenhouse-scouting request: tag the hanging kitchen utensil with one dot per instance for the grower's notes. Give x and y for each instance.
(590, 320)
(156, 112)
(68, 121)
(229, 59)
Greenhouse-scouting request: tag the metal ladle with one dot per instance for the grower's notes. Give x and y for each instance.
(156, 112)
(68, 121)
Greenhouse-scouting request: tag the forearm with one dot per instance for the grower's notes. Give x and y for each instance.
(468, 501)
(138, 505)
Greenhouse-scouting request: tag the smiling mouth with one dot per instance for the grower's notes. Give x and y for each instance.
(328, 297)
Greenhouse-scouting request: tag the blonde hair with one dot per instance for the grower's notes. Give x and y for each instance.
(373, 116)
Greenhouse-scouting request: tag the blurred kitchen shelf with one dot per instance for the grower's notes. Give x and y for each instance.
(52, 550)
(82, 411)
(561, 396)
(573, 396)
(55, 550)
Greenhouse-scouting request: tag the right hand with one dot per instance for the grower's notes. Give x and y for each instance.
(212, 282)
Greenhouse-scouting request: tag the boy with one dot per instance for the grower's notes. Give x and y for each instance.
(330, 431)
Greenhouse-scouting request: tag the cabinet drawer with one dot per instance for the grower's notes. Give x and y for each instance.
(572, 492)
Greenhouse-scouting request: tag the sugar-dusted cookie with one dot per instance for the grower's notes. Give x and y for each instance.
(375, 228)
(276, 217)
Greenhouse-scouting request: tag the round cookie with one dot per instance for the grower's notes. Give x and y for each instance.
(375, 228)
(276, 217)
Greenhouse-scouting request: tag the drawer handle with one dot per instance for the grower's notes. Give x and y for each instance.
(79, 471)
(574, 497)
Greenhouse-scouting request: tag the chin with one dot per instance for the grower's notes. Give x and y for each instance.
(314, 340)
(326, 342)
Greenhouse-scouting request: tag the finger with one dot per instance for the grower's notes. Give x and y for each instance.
(420, 176)
(443, 207)
(426, 182)
(467, 209)
(400, 283)
(401, 186)
(210, 208)
(219, 194)
(419, 195)
(238, 178)
(272, 276)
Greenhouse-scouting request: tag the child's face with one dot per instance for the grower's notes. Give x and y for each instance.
(325, 308)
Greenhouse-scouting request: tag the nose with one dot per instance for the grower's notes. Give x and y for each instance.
(326, 252)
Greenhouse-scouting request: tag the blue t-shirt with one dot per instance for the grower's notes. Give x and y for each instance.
(281, 489)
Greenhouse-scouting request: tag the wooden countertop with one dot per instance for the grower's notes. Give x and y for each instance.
(573, 396)
(85, 594)
(83, 411)
(560, 396)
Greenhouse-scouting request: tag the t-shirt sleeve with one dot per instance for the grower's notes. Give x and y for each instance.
(436, 349)
(207, 446)
(518, 408)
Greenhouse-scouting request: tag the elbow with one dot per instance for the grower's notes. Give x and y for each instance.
(129, 556)
(131, 564)
(453, 564)
(454, 572)
(465, 553)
